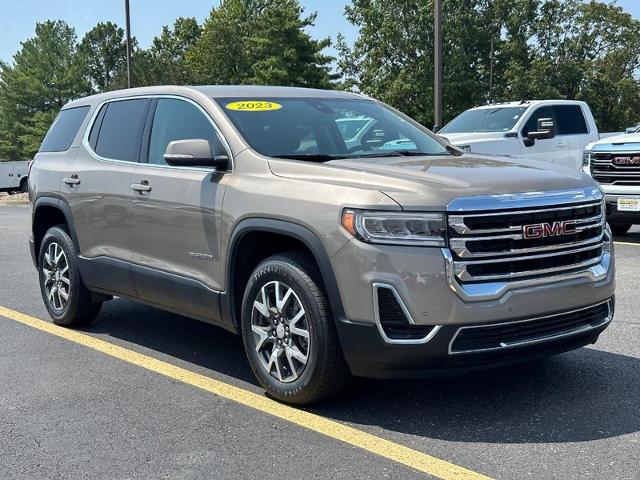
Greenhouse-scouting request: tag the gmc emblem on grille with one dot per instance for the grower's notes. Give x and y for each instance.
(542, 230)
(626, 160)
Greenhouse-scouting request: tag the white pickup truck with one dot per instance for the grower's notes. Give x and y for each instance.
(13, 176)
(514, 129)
(615, 164)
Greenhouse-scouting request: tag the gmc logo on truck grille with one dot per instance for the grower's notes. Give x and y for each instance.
(626, 160)
(543, 230)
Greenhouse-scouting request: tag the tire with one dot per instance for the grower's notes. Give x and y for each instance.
(59, 276)
(324, 373)
(24, 185)
(620, 228)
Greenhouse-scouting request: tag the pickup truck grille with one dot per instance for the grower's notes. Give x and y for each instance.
(533, 242)
(616, 169)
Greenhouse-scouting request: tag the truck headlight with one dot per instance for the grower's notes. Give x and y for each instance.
(586, 159)
(396, 228)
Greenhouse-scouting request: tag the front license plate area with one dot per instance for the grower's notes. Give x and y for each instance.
(629, 204)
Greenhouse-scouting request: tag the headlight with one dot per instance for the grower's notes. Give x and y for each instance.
(586, 159)
(396, 228)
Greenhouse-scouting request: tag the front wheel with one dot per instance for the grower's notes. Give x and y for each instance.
(289, 333)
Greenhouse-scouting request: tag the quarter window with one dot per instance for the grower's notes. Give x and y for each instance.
(64, 129)
(179, 120)
(121, 130)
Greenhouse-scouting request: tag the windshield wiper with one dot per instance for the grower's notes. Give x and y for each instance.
(311, 157)
(397, 153)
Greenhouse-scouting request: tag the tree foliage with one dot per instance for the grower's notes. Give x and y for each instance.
(46, 73)
(103, 53)
(542, 49)
(577, 49)
(259, 42)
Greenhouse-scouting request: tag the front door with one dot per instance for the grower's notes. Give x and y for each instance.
(176, 216)
(552, 150)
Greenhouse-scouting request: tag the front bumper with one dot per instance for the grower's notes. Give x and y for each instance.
(427, 296)
(616, 216)
(369, 356)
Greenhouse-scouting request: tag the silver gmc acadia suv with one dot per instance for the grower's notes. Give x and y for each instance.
(337, 235)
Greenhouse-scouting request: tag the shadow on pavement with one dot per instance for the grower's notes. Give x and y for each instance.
(579, 396)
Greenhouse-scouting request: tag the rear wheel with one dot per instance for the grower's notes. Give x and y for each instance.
(64, 294)
(289, 333)
(620, 228)
(24, 185)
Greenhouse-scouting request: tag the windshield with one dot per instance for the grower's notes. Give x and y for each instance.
(485, 120)
(321, 129)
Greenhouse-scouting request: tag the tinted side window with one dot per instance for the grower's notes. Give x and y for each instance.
(121, 130)
(179, 120)
(63, 130)
(570, 120)
(532, 123)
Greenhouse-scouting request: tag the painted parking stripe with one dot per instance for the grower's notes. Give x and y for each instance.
(627, 243)
(358, 438)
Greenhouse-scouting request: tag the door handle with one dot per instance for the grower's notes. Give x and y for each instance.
(561, 145)
(11, 174)
(72, 180)
(143, 187)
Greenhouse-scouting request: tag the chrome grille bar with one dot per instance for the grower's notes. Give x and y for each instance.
(489, 246)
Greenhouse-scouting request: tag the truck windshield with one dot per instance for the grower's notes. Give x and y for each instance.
(322, 129)
(485, 120)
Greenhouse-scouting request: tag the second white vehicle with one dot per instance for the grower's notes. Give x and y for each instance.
(13, 176)
(515, 129)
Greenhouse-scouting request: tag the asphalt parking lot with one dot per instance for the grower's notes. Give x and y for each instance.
(70, 411)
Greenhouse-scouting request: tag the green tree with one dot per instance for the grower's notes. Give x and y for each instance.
(45, 74)
(165, 62)
(571, 49)
(103, 51)
(393, 57)
(259, 42)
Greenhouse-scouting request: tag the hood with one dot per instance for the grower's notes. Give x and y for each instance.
(425, 183)
(619, 142)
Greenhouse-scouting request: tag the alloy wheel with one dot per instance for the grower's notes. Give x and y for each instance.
(57, 284)
(280, 331)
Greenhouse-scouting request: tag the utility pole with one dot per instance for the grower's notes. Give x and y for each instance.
(128, 28)
(492, 60)
(437, 67)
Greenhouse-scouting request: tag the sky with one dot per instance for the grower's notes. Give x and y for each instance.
(18, 17)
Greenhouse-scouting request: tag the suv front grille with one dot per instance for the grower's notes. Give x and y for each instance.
(624, 171)
(483, 338)
(492, 246)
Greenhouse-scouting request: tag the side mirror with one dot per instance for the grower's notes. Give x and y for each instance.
(546, 130)
(194, 153)
(630, 130)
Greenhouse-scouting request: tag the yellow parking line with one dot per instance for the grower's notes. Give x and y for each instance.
(366, 441)
(627, 243)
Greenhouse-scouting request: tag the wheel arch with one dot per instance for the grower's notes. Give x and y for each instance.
(297, 233)
(48, 212)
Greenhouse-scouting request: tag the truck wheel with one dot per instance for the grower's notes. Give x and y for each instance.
(67, 299)
(289, 333)
(620, 228)
(24, 185)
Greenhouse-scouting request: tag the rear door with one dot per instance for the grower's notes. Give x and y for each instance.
(98, 189)
(176, 213)
(572, 126)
